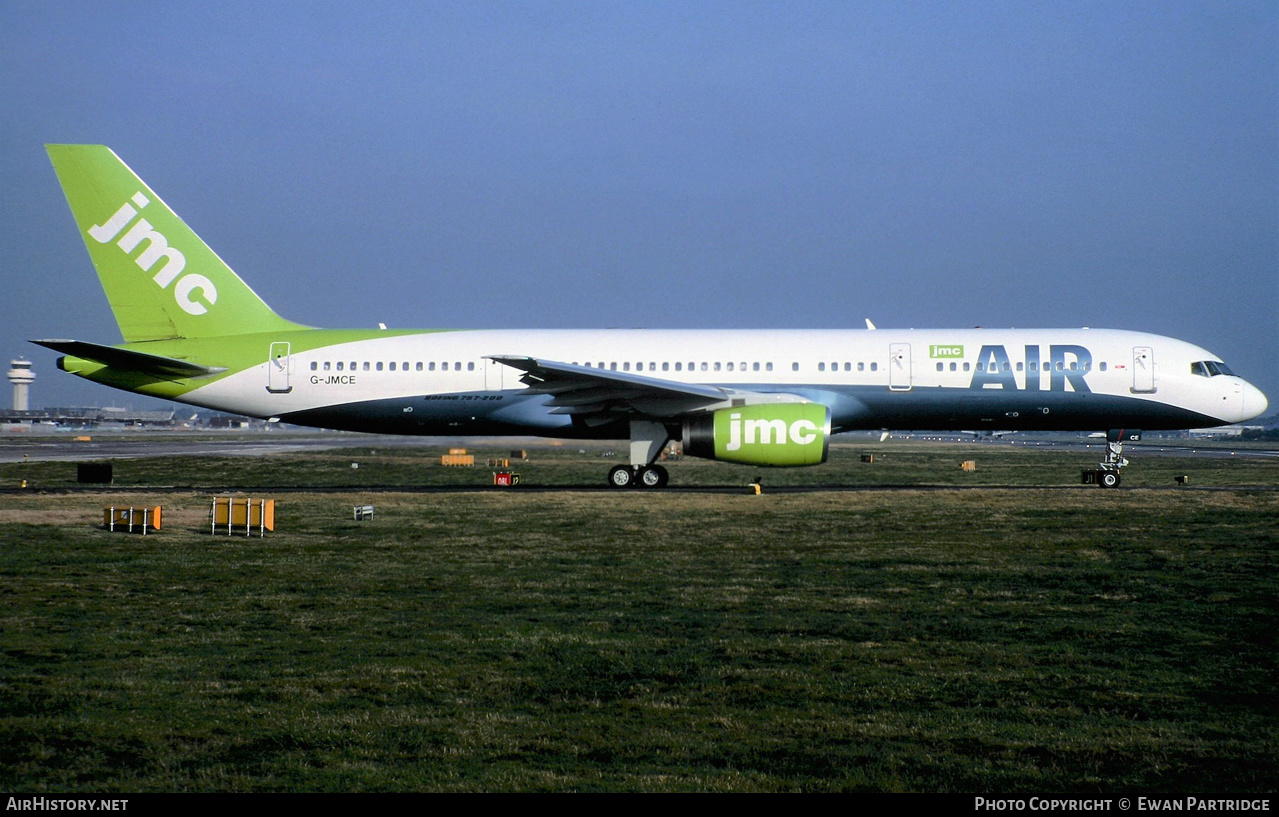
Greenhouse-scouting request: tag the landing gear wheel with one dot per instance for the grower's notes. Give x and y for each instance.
(1108, 479)
(654, 476)
(621, 476)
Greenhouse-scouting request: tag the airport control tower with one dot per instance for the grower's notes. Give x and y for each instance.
(21, 377)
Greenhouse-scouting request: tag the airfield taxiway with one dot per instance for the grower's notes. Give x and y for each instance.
(115, 445)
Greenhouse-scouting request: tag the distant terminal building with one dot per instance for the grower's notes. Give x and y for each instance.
(89, 417)
(21, 376)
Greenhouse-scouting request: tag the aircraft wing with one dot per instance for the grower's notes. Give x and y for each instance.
(584, 390)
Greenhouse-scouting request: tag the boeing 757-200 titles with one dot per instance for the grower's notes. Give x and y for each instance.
(195, 333)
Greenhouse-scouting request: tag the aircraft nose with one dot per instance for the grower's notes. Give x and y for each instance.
(1254, 402)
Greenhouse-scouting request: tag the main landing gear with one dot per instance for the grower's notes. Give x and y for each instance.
(644, 476)
(647, 439)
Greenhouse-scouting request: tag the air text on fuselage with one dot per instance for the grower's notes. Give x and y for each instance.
(1066, 368)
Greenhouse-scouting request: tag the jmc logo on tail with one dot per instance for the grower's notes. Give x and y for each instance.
(187, 286)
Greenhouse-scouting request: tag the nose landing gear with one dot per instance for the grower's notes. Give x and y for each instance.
(1107, 473)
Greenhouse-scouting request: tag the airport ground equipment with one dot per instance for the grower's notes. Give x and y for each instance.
(457, 456)
(132, 520)
(362, 512)
(231, 515)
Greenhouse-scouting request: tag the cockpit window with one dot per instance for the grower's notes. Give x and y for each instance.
(1210, 368)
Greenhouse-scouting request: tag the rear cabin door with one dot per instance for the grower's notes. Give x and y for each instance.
(1143, 370)
(278, 368)
(899, 366)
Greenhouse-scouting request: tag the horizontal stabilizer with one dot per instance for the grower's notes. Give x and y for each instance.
(129, 360)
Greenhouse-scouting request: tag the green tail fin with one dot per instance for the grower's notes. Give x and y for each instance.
(162, 281)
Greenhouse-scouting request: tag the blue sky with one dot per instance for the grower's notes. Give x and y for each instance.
(742, 164)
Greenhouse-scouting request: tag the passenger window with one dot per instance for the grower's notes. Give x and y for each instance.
(821, 367)
(315, 366)
(666, 366)
(794, 367)
(379, 365)
(874, 367)
(768, 366)
(326, 365)
(470, 366)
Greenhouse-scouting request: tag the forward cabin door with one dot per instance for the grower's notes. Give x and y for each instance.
(278, 368)
(899, 366)
(1143, 370)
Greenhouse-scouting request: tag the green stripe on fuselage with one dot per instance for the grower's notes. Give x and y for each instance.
(234, 352)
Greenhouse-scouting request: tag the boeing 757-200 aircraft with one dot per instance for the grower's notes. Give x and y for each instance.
(195, 333)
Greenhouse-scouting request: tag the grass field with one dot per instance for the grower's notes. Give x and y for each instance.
(990, 639)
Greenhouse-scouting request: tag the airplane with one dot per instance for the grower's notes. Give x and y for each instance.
(195, 333)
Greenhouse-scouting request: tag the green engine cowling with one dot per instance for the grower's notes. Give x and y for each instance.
(776, 434)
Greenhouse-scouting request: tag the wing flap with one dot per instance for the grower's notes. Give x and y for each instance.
(585, 390)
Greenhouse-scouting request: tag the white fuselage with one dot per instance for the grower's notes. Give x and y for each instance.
(1012, 375)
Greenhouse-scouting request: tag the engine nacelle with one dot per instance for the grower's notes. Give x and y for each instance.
(779, 434)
